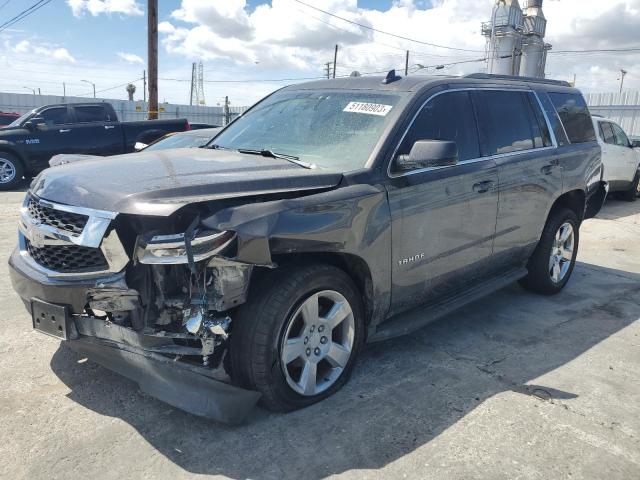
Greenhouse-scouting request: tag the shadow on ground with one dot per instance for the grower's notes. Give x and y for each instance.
(403, 393)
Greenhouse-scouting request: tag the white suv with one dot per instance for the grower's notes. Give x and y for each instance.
(619, 159)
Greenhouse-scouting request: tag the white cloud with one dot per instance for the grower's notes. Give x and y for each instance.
(131, 58)
(41, 50)
(97, 7)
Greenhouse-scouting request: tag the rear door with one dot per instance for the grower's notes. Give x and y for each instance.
(518, 138)
(94, 132)
(443, 218)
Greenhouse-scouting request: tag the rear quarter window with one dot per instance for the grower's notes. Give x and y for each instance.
(575, 116)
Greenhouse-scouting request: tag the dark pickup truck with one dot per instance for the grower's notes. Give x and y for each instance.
(27, 144)
(330, 214)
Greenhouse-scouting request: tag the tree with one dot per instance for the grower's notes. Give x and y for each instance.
(131, 89)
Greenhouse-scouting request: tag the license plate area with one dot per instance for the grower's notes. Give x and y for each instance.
(49, 318)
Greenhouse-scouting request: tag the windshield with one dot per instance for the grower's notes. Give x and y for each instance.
(181, 140)
(18, 121)
(329, 129)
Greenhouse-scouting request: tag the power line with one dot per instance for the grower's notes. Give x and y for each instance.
(602, 50)
(4, 4)
(386, 33)
(110, 88)
(25, 13)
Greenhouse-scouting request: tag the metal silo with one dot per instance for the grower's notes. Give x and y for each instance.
(504, 38)
(534, 50)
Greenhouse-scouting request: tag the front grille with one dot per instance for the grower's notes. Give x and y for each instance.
(67, 221)
(68, 258)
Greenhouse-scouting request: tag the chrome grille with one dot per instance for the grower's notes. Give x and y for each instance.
(68, 258)
(67, 221)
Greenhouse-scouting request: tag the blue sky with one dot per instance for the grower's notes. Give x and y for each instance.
(280, 39)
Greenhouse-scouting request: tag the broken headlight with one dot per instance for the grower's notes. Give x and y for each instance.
(172, 249)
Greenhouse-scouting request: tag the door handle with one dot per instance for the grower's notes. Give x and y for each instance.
(64, 130)
(483, 187)
(109, 127)
(547, 169)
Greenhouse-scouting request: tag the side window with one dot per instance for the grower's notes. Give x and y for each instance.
(56, 116)
(509, 121)
(449, 116)
(575, 116)
(621, 137)
(90, 114)
(607, 133)
(545, 137)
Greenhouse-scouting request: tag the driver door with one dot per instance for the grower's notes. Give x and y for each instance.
(51, 139)
(443, 218)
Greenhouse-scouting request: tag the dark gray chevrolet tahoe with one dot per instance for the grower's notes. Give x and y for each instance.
(330, 214)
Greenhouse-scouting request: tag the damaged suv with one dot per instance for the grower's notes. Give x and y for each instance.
(330, 214)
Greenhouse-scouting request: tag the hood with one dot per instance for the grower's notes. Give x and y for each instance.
(161, 182)
(64, 158)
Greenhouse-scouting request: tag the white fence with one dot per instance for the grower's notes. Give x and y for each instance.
(127, 111)
(623, 108)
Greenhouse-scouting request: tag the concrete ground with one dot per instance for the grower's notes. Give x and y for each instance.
(513, 386)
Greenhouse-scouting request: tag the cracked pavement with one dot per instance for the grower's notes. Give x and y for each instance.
(512, 386)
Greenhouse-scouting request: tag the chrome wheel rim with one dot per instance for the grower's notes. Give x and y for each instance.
(7, 171)
(317, 343)
(561, 252)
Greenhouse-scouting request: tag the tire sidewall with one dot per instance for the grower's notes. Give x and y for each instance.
(324, 279)
(553, 227)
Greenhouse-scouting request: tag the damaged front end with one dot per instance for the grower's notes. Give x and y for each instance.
(151, 298)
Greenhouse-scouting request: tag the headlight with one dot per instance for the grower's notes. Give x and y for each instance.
(171, 249)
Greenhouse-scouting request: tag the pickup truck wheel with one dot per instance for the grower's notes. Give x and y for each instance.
(11, 171)
(296, 341)
(633, 192)
(553, 260)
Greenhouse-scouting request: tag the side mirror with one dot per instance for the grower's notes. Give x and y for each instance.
(35, 123)
(428, 154)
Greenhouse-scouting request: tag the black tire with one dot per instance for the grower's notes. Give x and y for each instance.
(631, 194)
(9, 160)
(539, 278)
(260, 325)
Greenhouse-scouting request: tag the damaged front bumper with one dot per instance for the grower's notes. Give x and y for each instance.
(147, 358)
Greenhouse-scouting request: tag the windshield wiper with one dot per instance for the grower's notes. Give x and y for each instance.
(283, 156)
(215, 146)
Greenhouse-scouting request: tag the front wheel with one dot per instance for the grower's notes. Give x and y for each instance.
(552, 262)
(297, 339)
(11, 171)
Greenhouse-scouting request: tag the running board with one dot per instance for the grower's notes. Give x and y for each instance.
(417, 318)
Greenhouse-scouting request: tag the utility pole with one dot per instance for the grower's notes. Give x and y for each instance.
(335, 60)
(144, 86)
(64, 90)
(152, 56)
(193, 81)
(328, 65)
(40, 93)
(623, 73)
(406, 65)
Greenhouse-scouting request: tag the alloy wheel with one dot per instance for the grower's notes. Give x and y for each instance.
(7, 171)
(318, 342)
(561, 252)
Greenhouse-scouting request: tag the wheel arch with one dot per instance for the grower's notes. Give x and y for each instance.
(574, 200)
(354, 266)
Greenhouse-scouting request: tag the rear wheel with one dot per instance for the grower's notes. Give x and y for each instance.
(552, 262)
(296, 341)
(633, 192)
(11, 171)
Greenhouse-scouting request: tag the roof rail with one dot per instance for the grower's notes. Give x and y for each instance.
(487, 76)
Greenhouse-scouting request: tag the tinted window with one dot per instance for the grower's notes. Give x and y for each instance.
(621, 137)
(607, 133)
(90, 114)
(6, 119)
(55, 116)
(575, 116)
(509, 122)
(544, 140)
(450, 117)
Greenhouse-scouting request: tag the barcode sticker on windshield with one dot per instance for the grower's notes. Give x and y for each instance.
(368, 108)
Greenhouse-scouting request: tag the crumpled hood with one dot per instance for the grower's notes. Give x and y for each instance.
(159, 183)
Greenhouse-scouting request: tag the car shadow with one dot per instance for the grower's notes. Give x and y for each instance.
(403, 394)
(615, 209)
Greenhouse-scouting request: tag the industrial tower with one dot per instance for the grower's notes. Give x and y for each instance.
(515, 39)
(197, 84)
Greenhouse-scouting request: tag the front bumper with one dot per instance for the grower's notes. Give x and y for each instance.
(148, 360)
